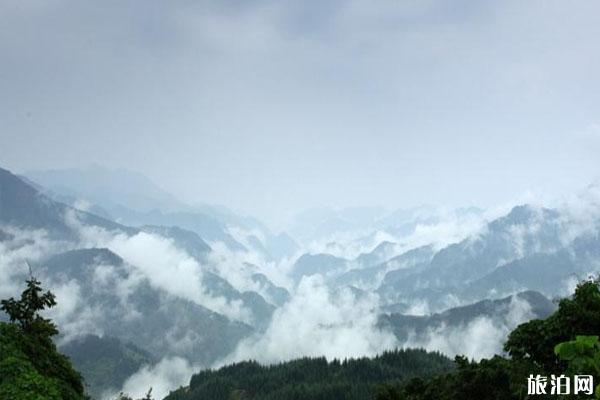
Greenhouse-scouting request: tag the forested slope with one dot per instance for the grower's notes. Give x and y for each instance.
(564, 343)
(312, 378)
(30, 365)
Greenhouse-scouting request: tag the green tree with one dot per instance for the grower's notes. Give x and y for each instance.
(582, 356)
(30, 365)
(578, 315)
(26, 311)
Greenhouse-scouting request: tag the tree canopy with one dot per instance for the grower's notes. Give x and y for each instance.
(564, 343)
(30, 365)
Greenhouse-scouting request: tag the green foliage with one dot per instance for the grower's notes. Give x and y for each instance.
(18, 378)
(495, 379)
(407, 375)
(30, 365)
(535, 340)
(26, 311)
(556, 345)
(312, 378)
(565, 343)
(32, 370)
(582, 356)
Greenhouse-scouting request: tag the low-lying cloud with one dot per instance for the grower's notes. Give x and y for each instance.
(480, 338)
(166, 267)
(318, 322)
(163, 377)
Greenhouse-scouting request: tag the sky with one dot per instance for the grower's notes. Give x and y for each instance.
(272, 106)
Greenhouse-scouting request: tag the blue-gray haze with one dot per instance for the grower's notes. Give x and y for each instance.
(272, 106)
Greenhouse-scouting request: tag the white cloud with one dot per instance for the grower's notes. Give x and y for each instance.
(23, 246)
(318, 322)
(167, 375)
(72, 314)
(480, 338)
(163, 264)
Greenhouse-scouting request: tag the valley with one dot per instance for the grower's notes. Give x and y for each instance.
(183, 289)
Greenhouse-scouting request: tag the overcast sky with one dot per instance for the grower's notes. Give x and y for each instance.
(272, 106)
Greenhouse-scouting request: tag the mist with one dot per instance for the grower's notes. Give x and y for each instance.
(274, 108)
(206, 183)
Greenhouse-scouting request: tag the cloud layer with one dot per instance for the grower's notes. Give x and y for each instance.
(318, 322)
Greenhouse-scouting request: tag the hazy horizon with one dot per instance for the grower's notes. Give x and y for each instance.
(270, 108)
(332, 199)
(293, 216)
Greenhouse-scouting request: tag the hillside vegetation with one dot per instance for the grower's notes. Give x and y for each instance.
(564, 343)
(30, 365)
(312, 378)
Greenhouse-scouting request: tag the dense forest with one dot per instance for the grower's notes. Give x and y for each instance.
(564, 343)
(312, 378)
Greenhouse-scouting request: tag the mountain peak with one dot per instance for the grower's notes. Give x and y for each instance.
(23, 206)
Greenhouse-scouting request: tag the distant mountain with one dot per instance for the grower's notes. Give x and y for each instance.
(311, 264)
(81, 266)
(22, 206)
(213, 229)
(255, 235)
(408, 261)
(105, 362)
(497, 310)
(111, 304)
(544, 272)
(132, 199)
(206, 226)
(403, 222)
(68, 199)
(185, 240)
(530, 248)
(281, 245)
(275, 294)
(219, 287)
(115, 305)
(119, 304)
(108, 188)
(389, 271)
(382, 252)
(321, 223)
(255, 244)
(368, 227)
(523, 232)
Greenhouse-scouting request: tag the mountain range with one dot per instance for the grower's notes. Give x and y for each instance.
(146, 277)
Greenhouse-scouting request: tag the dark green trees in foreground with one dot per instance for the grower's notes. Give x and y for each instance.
(564, 343)
(312, 378)
(30, 366)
